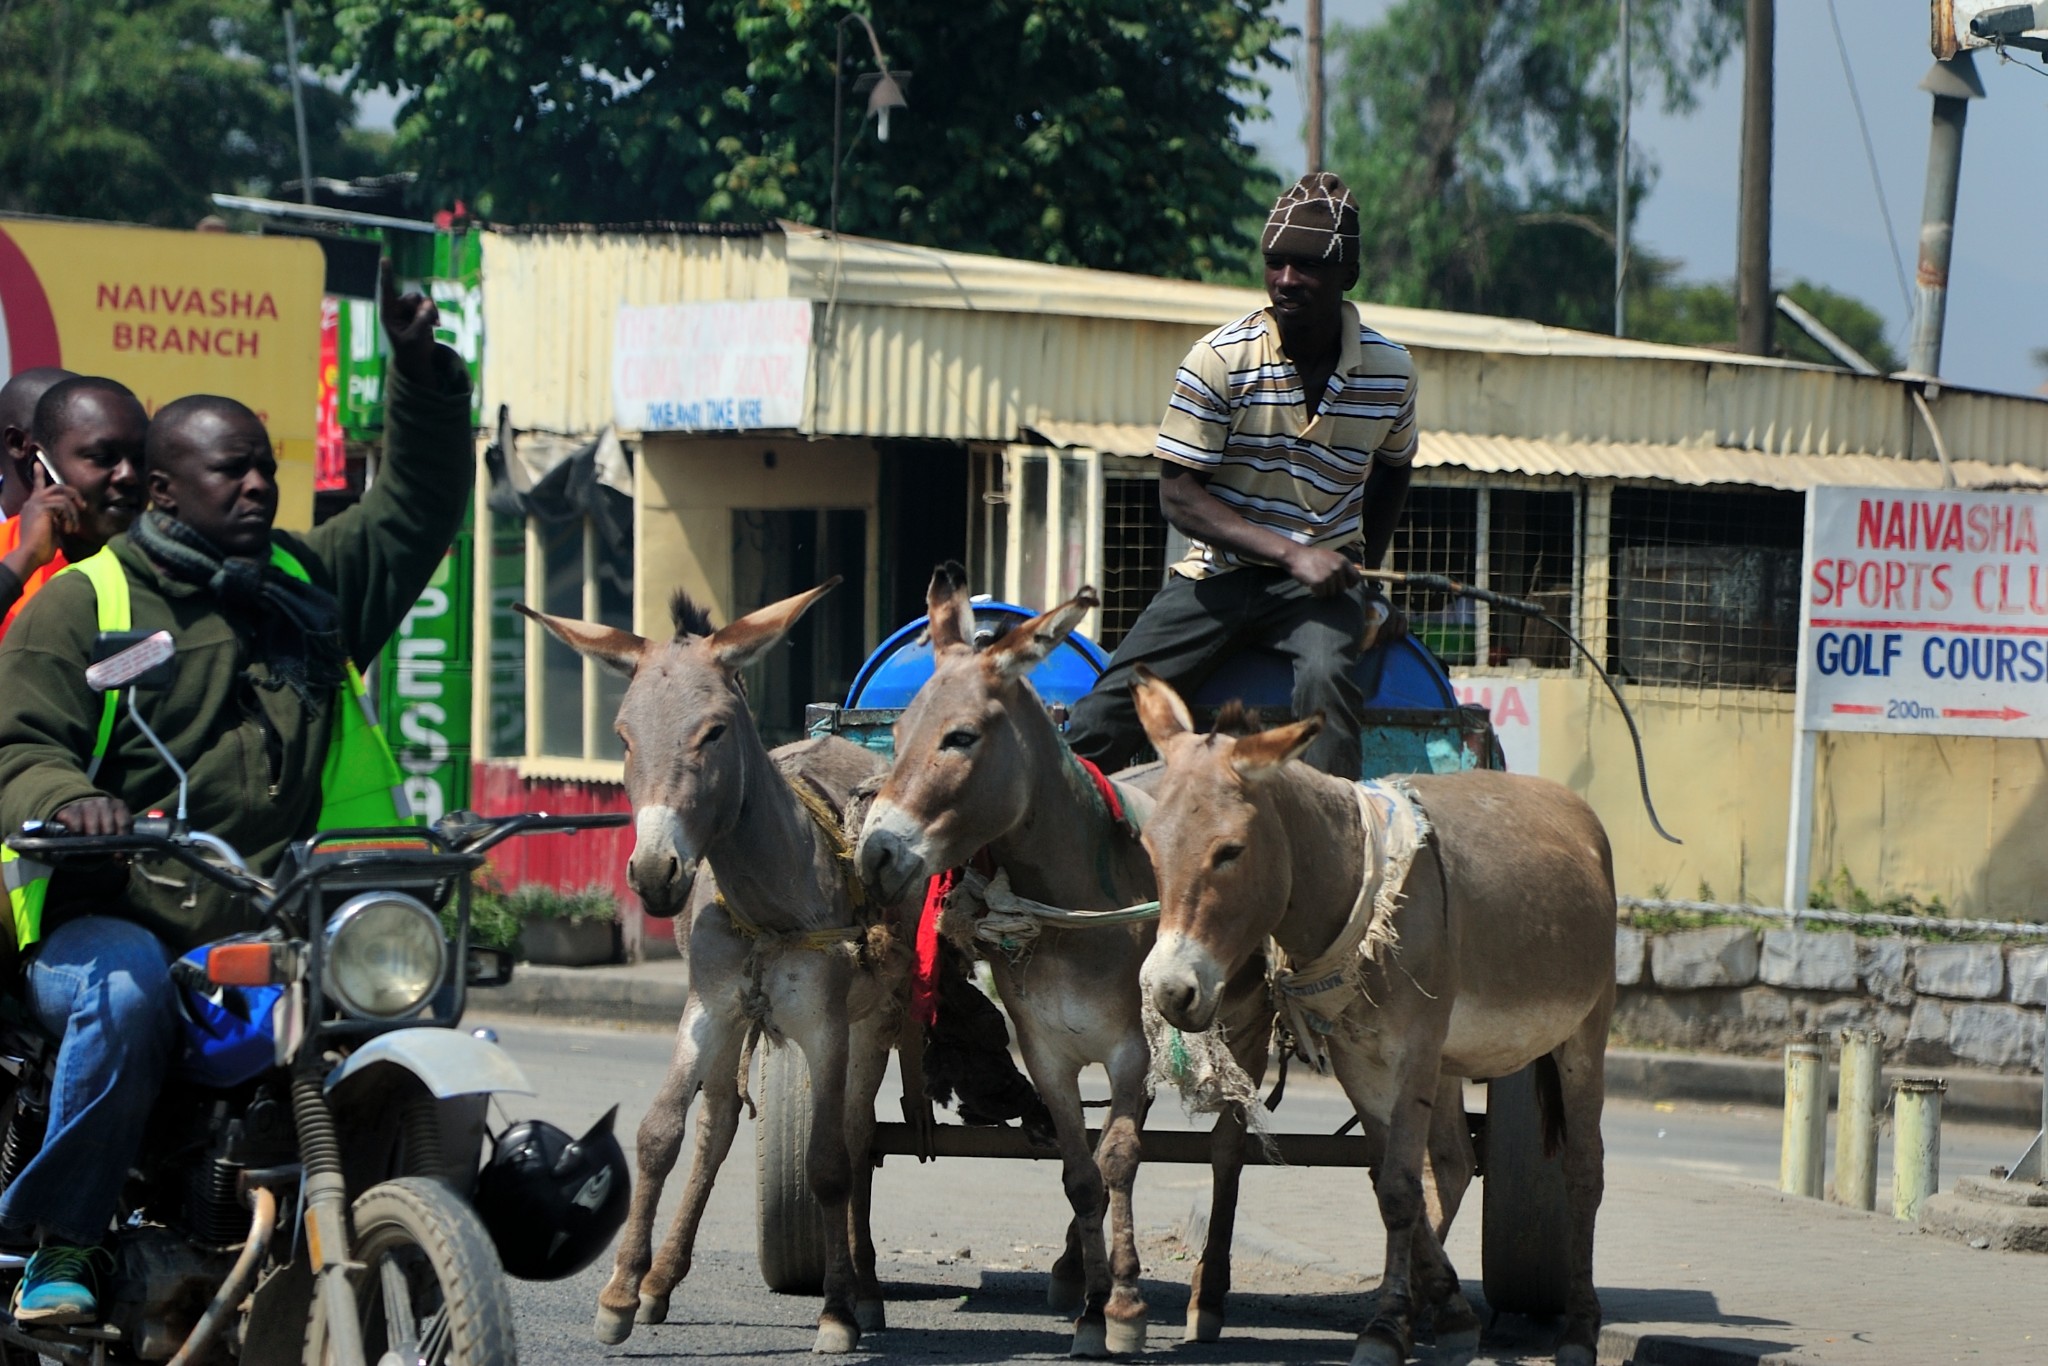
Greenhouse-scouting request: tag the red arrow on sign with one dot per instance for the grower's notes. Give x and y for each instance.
(1984, 713)
(1858, 709)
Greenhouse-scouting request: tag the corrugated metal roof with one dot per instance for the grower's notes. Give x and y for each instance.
(1677, 464)
(913, 342)
(863, 270)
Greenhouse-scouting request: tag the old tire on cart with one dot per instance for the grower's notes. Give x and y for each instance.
(1525, 1229)
(789, 1223)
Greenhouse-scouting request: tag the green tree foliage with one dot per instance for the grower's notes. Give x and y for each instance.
(139, 109)
(1703, 314)
(1480, 137)
(1090, 132)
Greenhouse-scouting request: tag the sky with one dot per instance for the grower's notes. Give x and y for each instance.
(1826, 225)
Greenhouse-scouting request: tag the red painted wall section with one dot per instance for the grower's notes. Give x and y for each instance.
(564, 861)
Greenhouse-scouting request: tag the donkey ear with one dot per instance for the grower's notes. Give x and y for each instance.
(1262, 755)
(739, 643)
(1160, 709)
(616, 649)
(1024, 646)
(952, 613)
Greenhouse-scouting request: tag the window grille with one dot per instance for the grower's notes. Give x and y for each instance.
(1520, 541)
(1705, 586)
(1133, 548)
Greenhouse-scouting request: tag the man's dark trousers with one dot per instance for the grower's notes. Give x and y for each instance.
(1196, 624)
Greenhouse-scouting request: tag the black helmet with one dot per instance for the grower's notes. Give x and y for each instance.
(552, 1204)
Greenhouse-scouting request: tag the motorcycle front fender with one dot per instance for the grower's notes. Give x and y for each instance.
(448, 1062)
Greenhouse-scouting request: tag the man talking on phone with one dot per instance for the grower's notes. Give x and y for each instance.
(82, 465)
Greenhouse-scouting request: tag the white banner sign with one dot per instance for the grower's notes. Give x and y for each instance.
(1517, 717)
(712, 367)
(1925, 612)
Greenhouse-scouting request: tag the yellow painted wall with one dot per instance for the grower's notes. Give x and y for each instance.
(688, 488)
(1962, 819)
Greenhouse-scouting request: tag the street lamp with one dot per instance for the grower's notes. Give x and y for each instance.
(884, 91)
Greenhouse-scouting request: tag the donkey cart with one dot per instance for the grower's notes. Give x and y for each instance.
(1413, 724)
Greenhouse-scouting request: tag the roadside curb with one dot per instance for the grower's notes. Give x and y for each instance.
(1982, 1097)
(647, 995)
(650, 996)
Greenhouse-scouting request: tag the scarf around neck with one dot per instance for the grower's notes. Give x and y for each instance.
(294, 626)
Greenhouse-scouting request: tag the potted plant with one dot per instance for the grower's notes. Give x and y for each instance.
(563, 929)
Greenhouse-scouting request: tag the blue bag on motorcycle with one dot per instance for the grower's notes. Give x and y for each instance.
(228, 1036)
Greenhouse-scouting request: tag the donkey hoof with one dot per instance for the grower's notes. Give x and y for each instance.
(613, 1326)
(1091, 1338)
(1459, 1346)
(1204, 1325)
(1066, 1297)
(1125, 1337)
(870, 1315)
(836, 1337)
(1377, 1351)
(1575, 1354)
(653, 1309)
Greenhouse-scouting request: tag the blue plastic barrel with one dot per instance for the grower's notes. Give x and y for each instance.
(901, 664)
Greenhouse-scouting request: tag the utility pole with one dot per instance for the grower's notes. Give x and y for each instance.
(1953, 84)
(1621, 191)
(1753, 299)
(1315, 84)
(291, 64)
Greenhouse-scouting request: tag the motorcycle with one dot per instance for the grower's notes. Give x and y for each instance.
(308, 1189)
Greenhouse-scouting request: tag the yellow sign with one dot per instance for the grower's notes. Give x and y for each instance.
(175, 313)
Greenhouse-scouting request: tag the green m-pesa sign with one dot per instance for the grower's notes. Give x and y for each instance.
(425, 689)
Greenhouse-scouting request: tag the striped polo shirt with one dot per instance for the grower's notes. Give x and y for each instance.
(1238, 415)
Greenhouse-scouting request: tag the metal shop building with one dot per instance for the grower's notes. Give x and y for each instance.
(935, 403)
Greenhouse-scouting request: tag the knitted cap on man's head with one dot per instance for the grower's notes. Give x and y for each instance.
(1315, 218)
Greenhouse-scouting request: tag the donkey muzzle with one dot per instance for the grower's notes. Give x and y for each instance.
(1183, 981)
(662, 868)
(891, 853)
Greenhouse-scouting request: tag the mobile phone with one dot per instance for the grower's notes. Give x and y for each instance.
(48, 468)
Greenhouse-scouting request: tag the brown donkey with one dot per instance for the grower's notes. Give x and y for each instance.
(980, 765)
(1497, 951)
(779, 943)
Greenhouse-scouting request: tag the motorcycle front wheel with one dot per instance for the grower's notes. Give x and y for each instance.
(431, 1289)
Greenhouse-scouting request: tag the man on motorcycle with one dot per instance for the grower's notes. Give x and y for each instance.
(266, 624)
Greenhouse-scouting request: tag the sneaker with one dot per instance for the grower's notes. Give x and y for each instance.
(53, 1292)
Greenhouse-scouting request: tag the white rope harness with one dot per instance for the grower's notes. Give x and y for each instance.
(1312, 998)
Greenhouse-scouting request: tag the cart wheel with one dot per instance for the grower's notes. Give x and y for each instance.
(789, 1222)
(1525, 1228)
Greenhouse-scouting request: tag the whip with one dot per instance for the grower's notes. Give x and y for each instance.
(1442, 583)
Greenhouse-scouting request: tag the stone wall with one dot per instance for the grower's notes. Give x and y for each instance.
(1734, 989)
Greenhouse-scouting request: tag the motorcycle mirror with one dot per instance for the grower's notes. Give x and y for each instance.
(137, 659)
(488, 967)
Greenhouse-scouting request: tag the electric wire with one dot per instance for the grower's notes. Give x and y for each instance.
(1870, 155)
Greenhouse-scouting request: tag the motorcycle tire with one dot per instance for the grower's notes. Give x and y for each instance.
(425, 1254)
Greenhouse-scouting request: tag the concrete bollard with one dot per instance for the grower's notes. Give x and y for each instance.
(1916, 1143)
(1856, 1110)
(1802, 1154)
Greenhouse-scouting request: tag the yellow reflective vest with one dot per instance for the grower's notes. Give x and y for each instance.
(361, 785)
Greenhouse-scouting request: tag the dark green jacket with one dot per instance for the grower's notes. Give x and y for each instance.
(254, 753)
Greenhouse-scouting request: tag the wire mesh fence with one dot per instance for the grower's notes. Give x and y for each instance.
(1705, 586)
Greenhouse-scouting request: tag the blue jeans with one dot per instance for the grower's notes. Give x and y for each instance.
(104, 987)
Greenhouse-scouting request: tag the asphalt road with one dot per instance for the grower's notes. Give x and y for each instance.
(964, 1244)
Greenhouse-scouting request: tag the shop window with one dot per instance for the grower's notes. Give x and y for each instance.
(572, 702)
(1706, 586)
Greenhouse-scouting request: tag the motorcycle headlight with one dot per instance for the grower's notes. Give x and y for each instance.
(384, 955)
